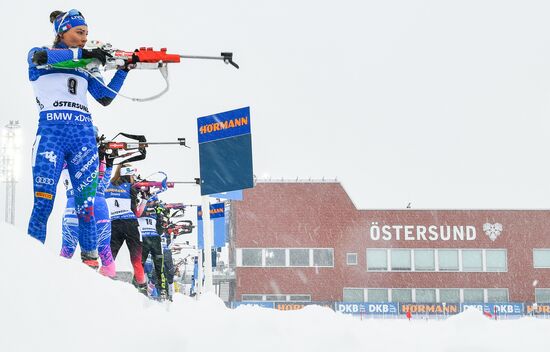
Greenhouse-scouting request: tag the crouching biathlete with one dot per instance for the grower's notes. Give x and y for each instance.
(65, 131)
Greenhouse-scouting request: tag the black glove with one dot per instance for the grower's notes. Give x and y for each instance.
(130, 64)
(109, 160)
(40, 57)
(101, 154)
(96, 53)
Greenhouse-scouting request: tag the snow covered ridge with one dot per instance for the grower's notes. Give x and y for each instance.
(48, 303)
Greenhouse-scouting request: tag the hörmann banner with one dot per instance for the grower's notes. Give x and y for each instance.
(225, 151)
(430, 308)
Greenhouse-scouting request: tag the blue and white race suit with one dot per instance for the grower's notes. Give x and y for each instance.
(101, 213)
(65, 134)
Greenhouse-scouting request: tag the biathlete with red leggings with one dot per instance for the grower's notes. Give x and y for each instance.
(122, 200)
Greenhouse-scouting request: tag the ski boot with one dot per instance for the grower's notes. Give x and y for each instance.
(142, 288)
(170, 292)
(90, 259)
(108, 270)
(163, 295)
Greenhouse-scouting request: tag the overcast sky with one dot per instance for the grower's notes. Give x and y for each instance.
(444, 104)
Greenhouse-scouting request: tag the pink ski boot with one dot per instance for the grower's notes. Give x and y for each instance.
(108, 270)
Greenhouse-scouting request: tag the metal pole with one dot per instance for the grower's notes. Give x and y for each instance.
(7, 204)
(198, 280)
(10, 203)
(207, 236)
(9, 156)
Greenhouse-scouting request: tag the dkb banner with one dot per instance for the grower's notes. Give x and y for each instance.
(366, 308)
(496, 308)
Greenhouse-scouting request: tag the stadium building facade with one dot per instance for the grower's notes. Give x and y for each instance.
(307, 241)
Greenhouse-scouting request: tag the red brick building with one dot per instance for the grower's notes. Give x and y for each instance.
(299, 241)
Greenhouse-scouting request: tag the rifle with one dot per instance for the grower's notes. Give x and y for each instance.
(147, 58)
(137, 149)
(145, 185)
(142, 58)
(182, 227)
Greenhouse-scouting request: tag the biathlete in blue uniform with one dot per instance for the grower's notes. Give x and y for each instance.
(65, 130)
(151, 229)
(101, 212)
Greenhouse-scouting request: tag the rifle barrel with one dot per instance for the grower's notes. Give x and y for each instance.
(202, 57)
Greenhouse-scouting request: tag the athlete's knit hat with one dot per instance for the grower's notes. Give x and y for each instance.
(68, 20)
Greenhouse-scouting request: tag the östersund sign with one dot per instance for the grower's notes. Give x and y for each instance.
(425, 233)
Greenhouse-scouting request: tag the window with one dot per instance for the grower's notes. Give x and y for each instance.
(275, 257)
(251, 298)
(279, 298)
(323, 257)
(252, 257)
(541, 258)
(299, 298)
(496, 259)
(449, 295)
(377, 295)
(497, 295)
(542, 295)
(401, 295)
(276, 298)
(400, 259)
(354, 295)
(377, 259)
(351, 258)
(425, 295)
(448, 259)
(472, 260)
(299, 256)
(473, 295)
(424, 260)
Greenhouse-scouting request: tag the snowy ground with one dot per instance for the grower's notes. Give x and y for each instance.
(51, 304)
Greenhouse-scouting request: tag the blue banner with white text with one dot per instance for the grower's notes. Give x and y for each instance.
(225, 151)
(496, 308)
(217, 216)
(382, 308)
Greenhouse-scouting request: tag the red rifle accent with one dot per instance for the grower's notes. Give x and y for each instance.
(148, 55)
(152, 184)
(116, 145)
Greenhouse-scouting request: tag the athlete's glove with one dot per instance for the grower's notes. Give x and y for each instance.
(109, 160)
(40, 57)
(96, 53)
(130, 64)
